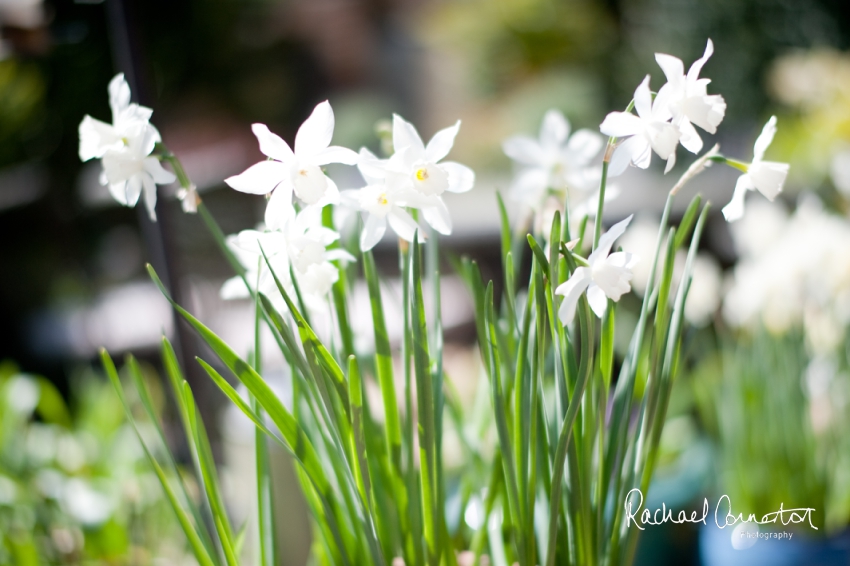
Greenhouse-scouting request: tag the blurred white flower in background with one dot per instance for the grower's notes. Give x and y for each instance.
(298, 171)
(647, 132)
(767, 177)
(686, 98)
(605, 277)
(840, 168)
(704, 293)
(556, 161)
(800, 278)
(125, 147)
(248, 247)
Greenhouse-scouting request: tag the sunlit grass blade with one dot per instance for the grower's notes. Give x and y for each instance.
(199, 549)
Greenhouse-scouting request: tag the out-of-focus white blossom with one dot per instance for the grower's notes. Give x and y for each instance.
(704, 293)
(605, 277)
(298, 171)
(647, 132)
(800, 278)
(125, 148)
(686, 98)
(302, 246)
(840, 169)
(556, 162)
(767, 177)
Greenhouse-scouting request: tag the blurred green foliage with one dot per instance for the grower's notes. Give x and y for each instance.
(75, 486)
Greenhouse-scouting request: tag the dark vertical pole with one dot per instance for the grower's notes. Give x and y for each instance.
(129, 59)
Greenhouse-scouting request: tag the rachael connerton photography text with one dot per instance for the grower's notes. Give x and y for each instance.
(723, 514)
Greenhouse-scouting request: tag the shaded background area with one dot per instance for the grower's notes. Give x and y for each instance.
(72, 261)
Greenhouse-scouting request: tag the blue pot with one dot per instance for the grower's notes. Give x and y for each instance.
(715, 549)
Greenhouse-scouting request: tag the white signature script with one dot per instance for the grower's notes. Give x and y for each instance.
(724, 504)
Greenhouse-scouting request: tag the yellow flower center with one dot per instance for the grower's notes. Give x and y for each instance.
(382, 200)
(421, 174)
(303, 172)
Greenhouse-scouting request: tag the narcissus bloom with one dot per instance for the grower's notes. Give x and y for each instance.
(297, 171)
(606, 276)
(767, 177)
(555, 161)
(420, 169)
(687, 99)
(648, 131)
(381, 201)
(125, 146)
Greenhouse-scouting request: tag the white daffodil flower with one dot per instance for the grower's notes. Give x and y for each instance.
(606, 277)
(421, 170)
(687, 99)
(765, 176)
(648, 131)
(381, 202)
(307, 241)
(129, 170)
(297, 171)
(129, 121)
(555, 161)
(125, 148)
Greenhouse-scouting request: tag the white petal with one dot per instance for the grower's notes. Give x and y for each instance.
(438, 217)
(119, 193)
(529, 185)
(671, 161)
(643, 99)
(635, 150)
(406, 136)
(461, 177)
(571, 290)
(664, 137)
(613, 279)
(764, 139)
(260, 179)
(597, 299)
(696, 68)
(673, 67)
(335, 154)
(690, 138)
(441, 144)
(119, 94)
(96, 138)
(279, 209)
(331, 195)
(554, 130)
(316, 132)
(272, 145)
(768, 177)
(350, 198)
(150, 194)
(160, 176)
(523, 149)
(621, 124)
(373, 230)
(234, 288)
(735, 209)
(339, 254)
(607, 240)
(705, 111)
(402, 223)
(584, 145)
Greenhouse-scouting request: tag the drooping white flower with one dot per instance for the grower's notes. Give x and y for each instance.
(297, 171)
(686, 98)
(767, 177)
(130, 170)
(381, 201)
(129, 120)
(606, 277)
(647, 132)
(125, 147)
(421, 169)
(555, 161)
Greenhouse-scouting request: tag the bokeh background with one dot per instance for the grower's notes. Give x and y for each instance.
(72, 261)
